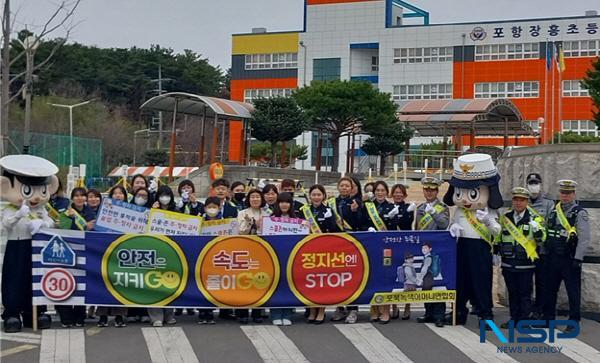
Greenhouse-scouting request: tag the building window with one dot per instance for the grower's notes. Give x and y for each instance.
(326, 152)
(573, 88)
(326, 69)
(252, 94)
(581, 127)
(422, 92)
(534, 124)
(507, 90)
(374, 63)
(423, 55)
(271, 61)
(581, 48)
(507, 51)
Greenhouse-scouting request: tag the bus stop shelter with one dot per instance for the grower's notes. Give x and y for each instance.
(211, 111)
(457, 117)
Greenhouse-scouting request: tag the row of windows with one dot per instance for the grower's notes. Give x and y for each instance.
(422, 92)
(581, 48)
(271, 61)
(581, 127)
(423, 55)
(507, 51)
(573, 88)
(507, 90)
(252, 94)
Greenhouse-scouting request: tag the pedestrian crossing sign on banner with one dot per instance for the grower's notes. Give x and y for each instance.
(58, 253)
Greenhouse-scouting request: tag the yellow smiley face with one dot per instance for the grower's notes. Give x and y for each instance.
(170, 279)
(262, 280)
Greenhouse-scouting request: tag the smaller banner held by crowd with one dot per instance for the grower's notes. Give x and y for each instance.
(173, 223)
(220, 227)
(283, 225)
(121, 217)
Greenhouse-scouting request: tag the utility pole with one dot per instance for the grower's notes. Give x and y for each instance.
(4, 79)
(160, 91)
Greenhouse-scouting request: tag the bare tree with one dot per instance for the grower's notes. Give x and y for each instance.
(61, 18)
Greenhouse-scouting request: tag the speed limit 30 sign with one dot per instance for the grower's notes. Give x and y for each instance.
(58, 284)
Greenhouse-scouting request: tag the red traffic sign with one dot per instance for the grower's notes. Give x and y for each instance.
(58, 284)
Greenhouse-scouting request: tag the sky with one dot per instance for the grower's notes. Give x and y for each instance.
(205, 26)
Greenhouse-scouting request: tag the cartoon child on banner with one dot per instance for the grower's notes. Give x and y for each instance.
(26, 184)
(474, 190)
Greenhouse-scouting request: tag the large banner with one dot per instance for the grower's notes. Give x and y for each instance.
(244, 271)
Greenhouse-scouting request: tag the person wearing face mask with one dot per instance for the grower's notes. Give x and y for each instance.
(212, 211)
(289, 186)
(165, 199)
(542, 205)
(238, 193)
(431, 216)
(369, 192)
(567, 242)
(188, 203)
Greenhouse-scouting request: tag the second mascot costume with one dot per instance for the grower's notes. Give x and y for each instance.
(475, 192)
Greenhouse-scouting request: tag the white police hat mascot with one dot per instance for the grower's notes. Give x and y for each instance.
(475, 192)
(26, 184)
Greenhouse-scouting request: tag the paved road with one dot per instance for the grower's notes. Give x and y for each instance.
(227, 341)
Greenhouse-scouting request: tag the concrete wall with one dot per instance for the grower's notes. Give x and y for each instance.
(579, 162)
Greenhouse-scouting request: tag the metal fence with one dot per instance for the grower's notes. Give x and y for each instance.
(56, 148)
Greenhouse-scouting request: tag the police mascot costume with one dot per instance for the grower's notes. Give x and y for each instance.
(25, 187)
(475, 192)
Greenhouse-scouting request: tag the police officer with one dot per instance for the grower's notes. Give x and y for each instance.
(430, 216)
(568, 239)
(541, 205)
(522, 230)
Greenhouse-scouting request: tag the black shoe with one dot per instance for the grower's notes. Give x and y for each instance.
(12, 325)
(80, 324)
(44, 321)
(439, 323)
(103, 321)
(381, 321)
(178, 312)
(374, 320)
(311, 321)
(190, 312)
(317, 322)
(425, 319)
(119, 322)
(243, 321)
(257, 320)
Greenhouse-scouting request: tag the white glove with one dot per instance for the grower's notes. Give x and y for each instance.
(35, 225)
(185, 196)
(496, 260)
(261, 184)
(267, 211)
(456, 230)
(394, 212)
(328, 213)
(419, 282)
(429, 209)
(179, 203)
(23, 211)
(535, 226)
(411, 207)
(371, 229)
(483, 216)
(153, 186)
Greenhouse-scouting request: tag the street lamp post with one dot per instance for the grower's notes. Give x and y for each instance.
(30, 44)
(71, 107)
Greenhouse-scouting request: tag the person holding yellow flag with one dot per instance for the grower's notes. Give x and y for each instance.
(568, 240)
(522, 230)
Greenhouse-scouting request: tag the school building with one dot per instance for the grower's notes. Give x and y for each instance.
(391, 44)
